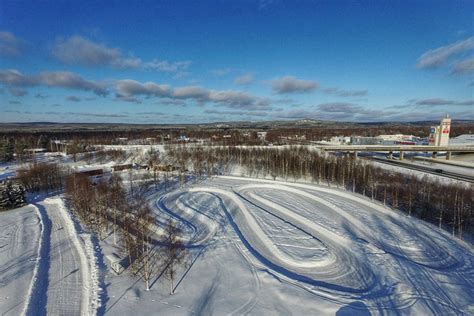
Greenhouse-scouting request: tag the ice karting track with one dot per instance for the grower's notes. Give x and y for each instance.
(341, 248)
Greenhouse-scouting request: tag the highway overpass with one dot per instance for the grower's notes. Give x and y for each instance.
(390, 149)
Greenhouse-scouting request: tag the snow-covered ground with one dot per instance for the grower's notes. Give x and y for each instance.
(46, 266)
(421, 174)
(263, 247)
(258, 247)
(20, 232)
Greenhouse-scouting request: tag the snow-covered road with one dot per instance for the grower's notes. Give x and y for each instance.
(344, 249)
(46, 267)
(64, 292)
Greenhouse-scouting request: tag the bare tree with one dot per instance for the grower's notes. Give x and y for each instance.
(153, 164)
(175, 253)
(118, 200)
(147, 254)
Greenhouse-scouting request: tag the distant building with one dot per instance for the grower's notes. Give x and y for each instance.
(122, 167)
(362, 140)
(386, 140)
(121, 140)
(35, 150)
(116, 263)
(166, 167)
(90, 172)
(340, 140)
(151, 140)
(262, 135)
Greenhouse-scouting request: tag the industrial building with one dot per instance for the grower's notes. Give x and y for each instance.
(439, 136)
(396, 139)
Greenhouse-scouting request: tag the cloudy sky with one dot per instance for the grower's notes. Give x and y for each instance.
(206, 61)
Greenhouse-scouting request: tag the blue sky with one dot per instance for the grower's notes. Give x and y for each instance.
(207, 61)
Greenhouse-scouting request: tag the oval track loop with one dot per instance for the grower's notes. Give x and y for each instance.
(331, 243)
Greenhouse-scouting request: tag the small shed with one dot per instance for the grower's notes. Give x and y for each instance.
(115, 263)
(90, 172)
(122, 167)
(138, 166)
(164, 167)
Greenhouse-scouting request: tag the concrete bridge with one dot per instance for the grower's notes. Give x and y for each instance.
(390, 149)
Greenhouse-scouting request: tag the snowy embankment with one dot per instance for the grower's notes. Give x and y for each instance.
(66, 277)
(346, 252)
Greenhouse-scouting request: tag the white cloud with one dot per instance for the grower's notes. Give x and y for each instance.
(291, 84)
(220, 72)
(244, 79)
(58, 79)
(10, 45)
(464, 66)
(178, 67)
(438, 57)
(78, 50)
(82, 51)
(440, 101)
(73, 98)
(130, 88)
(192, 92)
(345, 93)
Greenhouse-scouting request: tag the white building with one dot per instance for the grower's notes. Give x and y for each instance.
(262, 135)
(340, 140)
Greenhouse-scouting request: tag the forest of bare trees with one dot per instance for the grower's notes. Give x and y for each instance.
(42, 176)
(107, 208)
(450, 206)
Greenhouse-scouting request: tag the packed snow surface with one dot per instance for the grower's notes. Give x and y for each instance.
(20, 232)
(264, 247)
(46, 267)
(257, 247)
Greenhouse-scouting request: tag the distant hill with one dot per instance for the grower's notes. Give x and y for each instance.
(302, 123)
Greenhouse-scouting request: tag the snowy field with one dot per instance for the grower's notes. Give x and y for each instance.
(20, 231)
(263, 248)
(257, 247)
(46, 267)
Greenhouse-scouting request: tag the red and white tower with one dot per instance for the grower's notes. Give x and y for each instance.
(445, 128)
